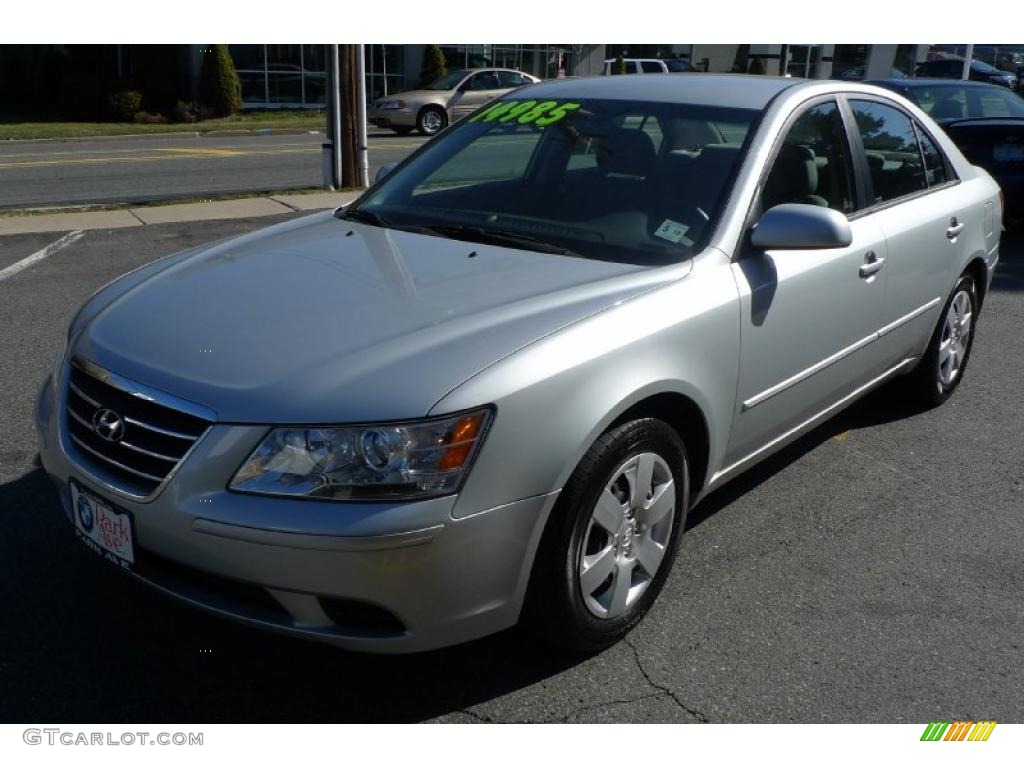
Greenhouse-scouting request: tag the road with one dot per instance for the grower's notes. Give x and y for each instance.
(872, 572)
(142, 169)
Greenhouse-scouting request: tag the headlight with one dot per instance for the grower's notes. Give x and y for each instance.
(397, 104)
(410, 460)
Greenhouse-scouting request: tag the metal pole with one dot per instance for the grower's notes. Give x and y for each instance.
(335, 117)
(966, 75)
(364, 157)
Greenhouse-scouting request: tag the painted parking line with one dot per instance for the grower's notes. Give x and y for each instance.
(41, 254)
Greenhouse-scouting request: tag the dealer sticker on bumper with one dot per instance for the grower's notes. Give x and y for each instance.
(107, 532)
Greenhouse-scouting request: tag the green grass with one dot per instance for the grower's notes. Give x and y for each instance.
(291, 119)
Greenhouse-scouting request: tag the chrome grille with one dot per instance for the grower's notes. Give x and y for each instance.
(155, 437)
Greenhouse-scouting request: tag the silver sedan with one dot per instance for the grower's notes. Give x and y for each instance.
(490, 390)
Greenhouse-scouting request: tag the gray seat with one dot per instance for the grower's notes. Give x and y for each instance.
(793, 178)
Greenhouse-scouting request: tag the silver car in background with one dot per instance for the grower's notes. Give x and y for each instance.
(448, 99)
(491, 389)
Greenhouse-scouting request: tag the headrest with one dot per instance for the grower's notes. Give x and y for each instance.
(628, 152)
(793, 177)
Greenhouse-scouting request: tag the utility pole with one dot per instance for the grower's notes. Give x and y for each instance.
(340, 152)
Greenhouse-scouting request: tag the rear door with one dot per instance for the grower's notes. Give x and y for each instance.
(916, 200)
(808, 316)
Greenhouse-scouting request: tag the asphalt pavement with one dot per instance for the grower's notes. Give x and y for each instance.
(131, 170)
(871, 572)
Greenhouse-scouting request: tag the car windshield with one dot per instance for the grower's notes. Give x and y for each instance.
(447, 82)
(630, 181)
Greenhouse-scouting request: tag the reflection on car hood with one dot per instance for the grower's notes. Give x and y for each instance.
(325, 320)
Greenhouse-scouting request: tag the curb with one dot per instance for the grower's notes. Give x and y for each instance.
(226, 132)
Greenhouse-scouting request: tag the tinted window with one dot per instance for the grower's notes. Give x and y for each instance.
(511, 79)
(934, 163)
(813, 164)
(632, 181)
(942, 102)
(651, 66)
(484, 81)
(893, 154)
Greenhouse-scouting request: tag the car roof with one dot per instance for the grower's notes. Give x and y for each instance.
(928, 82)
(738, 91)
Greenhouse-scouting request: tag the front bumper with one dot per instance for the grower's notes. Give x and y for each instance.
(376, 577)
(393, 118)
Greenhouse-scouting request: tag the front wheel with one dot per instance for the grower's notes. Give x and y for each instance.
(942, 368)
(431, 121)
(613, 537)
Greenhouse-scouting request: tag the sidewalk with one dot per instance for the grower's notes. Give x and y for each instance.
(272, 205)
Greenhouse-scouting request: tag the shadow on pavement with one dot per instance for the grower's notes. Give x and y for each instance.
(80, 642)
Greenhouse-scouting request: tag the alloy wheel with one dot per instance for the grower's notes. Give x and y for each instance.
(627, 535)
(956, 333)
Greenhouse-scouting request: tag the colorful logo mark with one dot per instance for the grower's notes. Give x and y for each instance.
(959, 730)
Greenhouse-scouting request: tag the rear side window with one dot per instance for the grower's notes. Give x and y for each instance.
(934, 161)
(893, 154)
(651, 66)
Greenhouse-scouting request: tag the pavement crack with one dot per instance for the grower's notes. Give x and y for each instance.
(695, 713)
(598, 705)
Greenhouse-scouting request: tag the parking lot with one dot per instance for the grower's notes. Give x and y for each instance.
(871, 572)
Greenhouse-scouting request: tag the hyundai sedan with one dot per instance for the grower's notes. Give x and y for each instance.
(491, 389)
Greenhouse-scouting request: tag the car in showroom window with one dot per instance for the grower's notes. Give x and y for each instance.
(490, 390)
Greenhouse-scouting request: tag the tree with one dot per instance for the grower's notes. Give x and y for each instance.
(219, 88)
(434, 65)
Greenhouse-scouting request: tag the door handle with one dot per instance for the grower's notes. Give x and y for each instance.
(955, 228)
(871, 264)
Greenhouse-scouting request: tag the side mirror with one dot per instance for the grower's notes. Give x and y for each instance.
(383, 171)
(797, 225)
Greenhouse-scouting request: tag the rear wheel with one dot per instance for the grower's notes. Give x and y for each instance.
(942, 368)
(613, 537)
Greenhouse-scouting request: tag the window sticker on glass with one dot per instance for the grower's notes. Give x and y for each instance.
(526, 112)
(672, 231)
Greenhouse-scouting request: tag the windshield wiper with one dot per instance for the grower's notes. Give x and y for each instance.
(498, 237)
(364, 217)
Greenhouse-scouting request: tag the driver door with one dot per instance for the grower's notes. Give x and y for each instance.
(477, 90)
(808, 316)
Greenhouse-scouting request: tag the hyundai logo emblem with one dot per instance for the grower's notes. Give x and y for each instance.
(108, 425)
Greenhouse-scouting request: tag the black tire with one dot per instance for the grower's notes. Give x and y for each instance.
(555, 608)
(431, 121)
(925, 383)
(402, 130)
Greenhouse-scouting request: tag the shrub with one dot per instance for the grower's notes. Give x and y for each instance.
(433, 64)
(620, 65)
(184, 113)
(148, 118)
(219, 87)
(122, 105)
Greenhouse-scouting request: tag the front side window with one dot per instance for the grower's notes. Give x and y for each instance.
(484, 81)
(813, 163)
(638, 182)
(893, 154)
(651, 66)
(511, 79)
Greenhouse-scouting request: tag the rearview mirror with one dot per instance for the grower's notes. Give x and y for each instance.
(383, 171)
(797, 225)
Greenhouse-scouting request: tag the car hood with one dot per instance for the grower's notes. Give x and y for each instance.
(325, 320)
